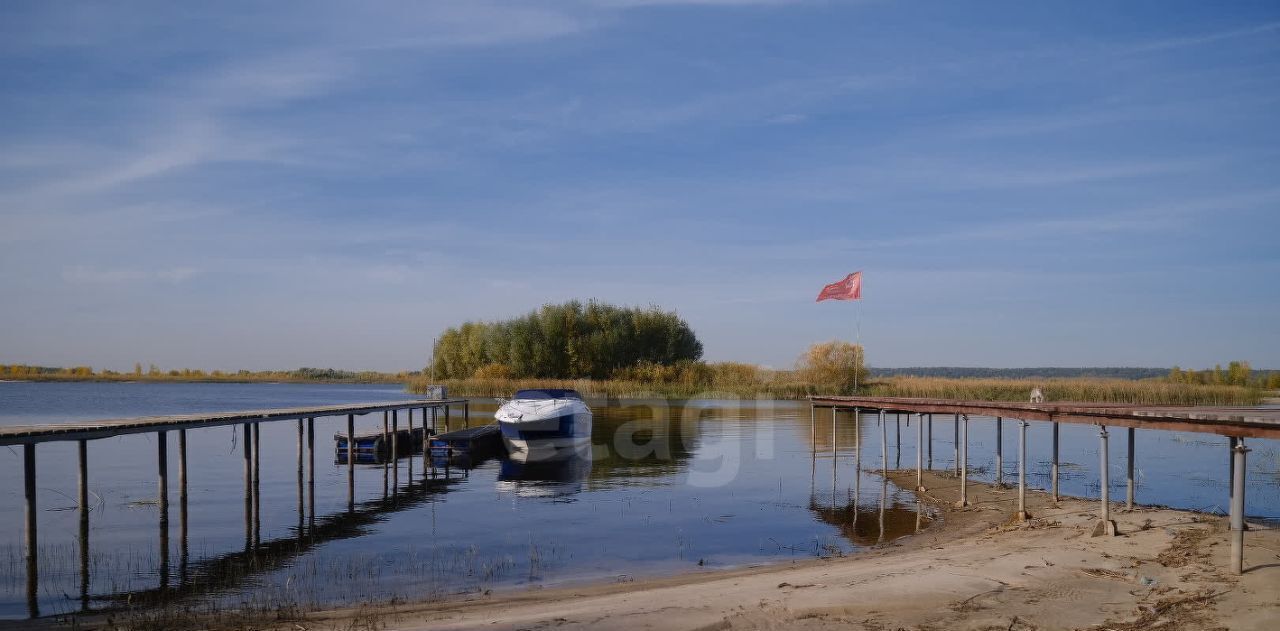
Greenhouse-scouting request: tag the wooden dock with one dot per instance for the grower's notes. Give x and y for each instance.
(467, 445)
(433, 411)
(1235, 423)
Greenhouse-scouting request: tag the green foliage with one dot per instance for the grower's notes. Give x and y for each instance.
(834, 365)
(566, 341)
(1238, 373)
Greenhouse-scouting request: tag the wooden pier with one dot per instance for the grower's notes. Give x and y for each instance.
(1234, 423)
(434, 414)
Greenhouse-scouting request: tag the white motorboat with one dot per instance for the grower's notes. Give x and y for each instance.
(545, 424)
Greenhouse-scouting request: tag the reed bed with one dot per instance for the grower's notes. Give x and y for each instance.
(783, 385)
(1152, 392)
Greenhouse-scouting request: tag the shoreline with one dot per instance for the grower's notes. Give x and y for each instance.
(975, 568)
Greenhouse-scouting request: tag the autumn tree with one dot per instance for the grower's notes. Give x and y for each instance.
(836, 366)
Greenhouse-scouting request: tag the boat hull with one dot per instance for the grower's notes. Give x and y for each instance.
(541, 429)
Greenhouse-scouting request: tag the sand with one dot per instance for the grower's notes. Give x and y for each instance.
(976, 569)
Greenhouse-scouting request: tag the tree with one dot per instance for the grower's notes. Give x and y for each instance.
(836, 365)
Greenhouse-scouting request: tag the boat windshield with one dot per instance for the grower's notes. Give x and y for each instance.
(548, 393)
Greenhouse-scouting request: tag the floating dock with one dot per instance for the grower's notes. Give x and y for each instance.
(378, 447)
(466, 446)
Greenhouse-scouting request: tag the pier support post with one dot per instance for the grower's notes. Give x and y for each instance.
(351, 462)
(386, 433)
(29, 493)
(929, 438)
(257, 485)
(311, 472)
(1053, 468)
(956, 443)
(1106, 526)
(182, 471)
(302, 506)
(1238, 453)
(1022, 471)
(833, 434)
(248, 488)
(884, 443)
(964, 463)
(83, 457)
(446, 417)
(466, 414)
(395, 438)
(919, 459)
(162, 466)
(999, 451)
(1130, 489)
(395, 452)
(897, 440)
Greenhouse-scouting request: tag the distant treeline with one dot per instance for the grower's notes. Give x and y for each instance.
(958, 372)
(1237, 373)
(567, 341)
(154, 373)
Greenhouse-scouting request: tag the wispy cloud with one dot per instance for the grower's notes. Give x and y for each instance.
(93, 275)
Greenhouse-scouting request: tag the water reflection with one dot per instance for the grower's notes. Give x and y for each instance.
(630, 503)
(559, 476)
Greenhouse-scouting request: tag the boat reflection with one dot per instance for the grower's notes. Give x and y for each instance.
(556, 476)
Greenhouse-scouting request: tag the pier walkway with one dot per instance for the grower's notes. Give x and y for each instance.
(1235, 423)
(433, 412)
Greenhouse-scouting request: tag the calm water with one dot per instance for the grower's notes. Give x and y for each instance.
(671, 487)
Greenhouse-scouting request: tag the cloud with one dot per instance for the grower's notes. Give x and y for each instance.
(92, 275)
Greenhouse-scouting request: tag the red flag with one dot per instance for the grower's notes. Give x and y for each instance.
(848, 289)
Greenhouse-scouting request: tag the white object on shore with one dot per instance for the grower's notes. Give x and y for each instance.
(1037, 396)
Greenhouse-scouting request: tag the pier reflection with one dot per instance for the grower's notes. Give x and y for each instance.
(236, 569)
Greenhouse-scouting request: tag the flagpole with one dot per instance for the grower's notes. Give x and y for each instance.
(857, 347)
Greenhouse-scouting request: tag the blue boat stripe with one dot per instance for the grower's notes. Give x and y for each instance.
(565, 430)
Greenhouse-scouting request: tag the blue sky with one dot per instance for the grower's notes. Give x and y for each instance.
(271, 185)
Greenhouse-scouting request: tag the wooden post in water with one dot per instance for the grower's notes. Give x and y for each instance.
(446, 417)
(257, 486)
(929, 438)
(83, 457)
(248, 488)
(956, 442)
(351, 462)
(162, 464)
(964, 463)
(999, 451)
(29, 493)
(884, 443)
(466, 413)
(248, 457)
(833, 432)
(1238, 453)
(897, 439)
(302, 506)
(311, 473)
(1130, 491)
(1106, 526)
(1053, 469)
(1022, 470)
(395, 452)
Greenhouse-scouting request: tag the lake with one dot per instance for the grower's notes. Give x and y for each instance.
(672, 486)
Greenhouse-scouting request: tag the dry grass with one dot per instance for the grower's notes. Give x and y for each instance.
(785, 385)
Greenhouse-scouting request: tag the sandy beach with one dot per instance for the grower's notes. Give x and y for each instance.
(974, 569)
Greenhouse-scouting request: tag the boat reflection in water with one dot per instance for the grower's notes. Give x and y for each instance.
(557, 475)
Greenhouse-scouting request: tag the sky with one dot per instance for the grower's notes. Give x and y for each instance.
(274, 185)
